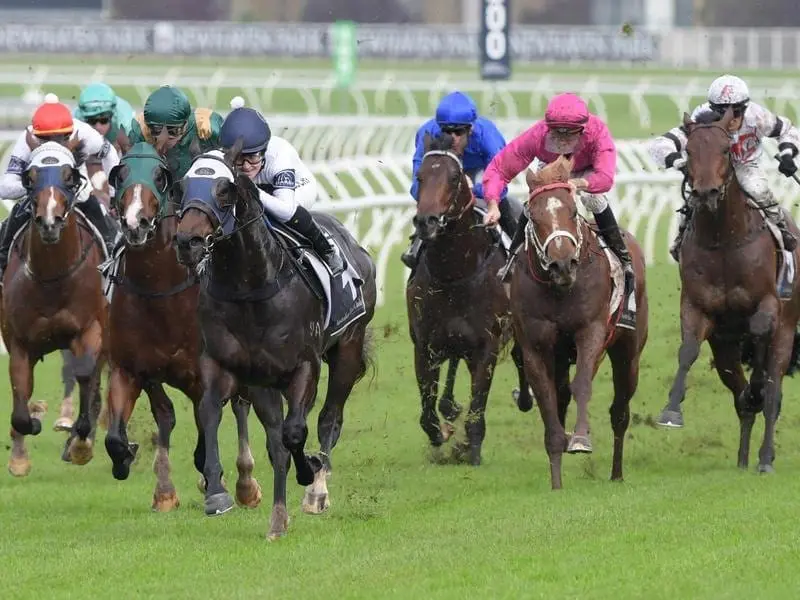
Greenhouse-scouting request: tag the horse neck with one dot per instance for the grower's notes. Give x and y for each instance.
(156, 262)
(250, 258)
(732, 219)
(48, 261)
(459, 252)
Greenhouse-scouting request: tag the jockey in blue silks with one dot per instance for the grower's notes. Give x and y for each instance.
(457, 115)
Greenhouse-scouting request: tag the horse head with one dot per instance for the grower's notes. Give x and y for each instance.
(142, 183)
(554, 230)
(444, 190)
(52, 180)
(213, 202)
(709, 167)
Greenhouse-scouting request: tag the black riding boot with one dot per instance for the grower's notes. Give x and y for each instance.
(516, 241)
(304, 223)
(94, 212)
(411, 256)
(609, 229)
(675, 249)
(507, 222)
(20, 214)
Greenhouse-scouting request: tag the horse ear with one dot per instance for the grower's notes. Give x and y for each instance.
(29, 177)
(426, 141)
(566, 165)
(223, 191)
(234, 152)
(687, 121)
(70, 176)
(727, 118)
(194, 148)
(117, 175)
(74, 144)
(31, 140)
(530, 179)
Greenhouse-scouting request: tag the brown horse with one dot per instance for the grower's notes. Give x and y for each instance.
(457, 307)
(729, 291)
(153, 334)
(53, 299)
(560, 302)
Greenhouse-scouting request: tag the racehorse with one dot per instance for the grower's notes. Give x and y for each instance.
(153, 333)
(729, 296)
(561, 302)
(53, 299)
(263, 325)
(457, 307)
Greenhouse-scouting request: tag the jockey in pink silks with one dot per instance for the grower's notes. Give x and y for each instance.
(569, 129)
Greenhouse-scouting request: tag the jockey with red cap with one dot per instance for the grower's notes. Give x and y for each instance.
(569, 129)
(53, 122)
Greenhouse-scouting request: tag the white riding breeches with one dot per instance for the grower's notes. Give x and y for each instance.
(596, 203)
(755, 184)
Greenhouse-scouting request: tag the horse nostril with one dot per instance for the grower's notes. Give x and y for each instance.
(143, 223)
(573, 263)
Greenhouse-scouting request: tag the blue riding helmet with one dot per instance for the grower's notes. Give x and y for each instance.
(249, 125)
(456, 109)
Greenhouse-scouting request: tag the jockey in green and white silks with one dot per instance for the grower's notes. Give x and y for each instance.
(171, 126)
(110, 115)
(751, 123)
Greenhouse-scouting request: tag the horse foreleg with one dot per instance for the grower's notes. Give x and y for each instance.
(624, 356)
(448, 406)
(522, 395)
(695, 328)
(727, 361)
(427, 372)
(218, 386)
(25, 419)
(300, 394)
(481, 369)
(268, 406)
(777, 361)
(589, 344)
(248, 492)
(123, 391)
(165, 497)
(87, 372)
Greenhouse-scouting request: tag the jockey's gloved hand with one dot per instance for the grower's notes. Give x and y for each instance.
(680, 164)
(787, 165)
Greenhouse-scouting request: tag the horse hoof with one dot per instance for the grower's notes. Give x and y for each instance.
(165, 502)
(278, 523)
(63, 424)
(765, 469)
(248, 494)
(37, 408)
(315, 504)
(527, 402)
(80, 451)
(447, 431)
(670, 419)
(218, 504)
(579, 444)
(19, 466)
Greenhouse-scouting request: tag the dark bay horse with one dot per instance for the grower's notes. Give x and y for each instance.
(457, 307)
(262, 325)
(728, 266)
(560, 302)
(53, 299)
(153, 333)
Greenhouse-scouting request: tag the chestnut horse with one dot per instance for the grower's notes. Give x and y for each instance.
(53, 299)
(153, 333)
(560, 302)
(729, 291)
(457, 307)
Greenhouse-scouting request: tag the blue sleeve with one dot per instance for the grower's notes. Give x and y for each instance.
(419, 152)
(492, 142)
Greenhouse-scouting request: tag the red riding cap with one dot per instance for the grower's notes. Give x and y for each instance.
(52, 118)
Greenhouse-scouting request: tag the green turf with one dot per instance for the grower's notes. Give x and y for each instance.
(685, 524)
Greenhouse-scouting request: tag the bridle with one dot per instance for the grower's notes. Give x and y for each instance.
(448, 217)
(541, 246)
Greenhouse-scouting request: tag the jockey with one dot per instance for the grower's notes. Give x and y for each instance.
(110, 115)
(282, 179)
(568, 128)
(751, 123)
(52, 122)
(479, 140)
(171, 126)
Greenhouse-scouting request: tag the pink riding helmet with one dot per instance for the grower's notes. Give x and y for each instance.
(566, 111)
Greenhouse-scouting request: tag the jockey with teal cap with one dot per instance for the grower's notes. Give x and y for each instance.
(479, 140)
(107, 113)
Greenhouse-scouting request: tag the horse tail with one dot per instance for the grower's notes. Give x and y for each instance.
(368, 357)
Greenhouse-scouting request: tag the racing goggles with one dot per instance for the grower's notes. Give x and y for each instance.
(173, 131)
(253, 159)
(738, 109)
(103, 119)
(566, 129)
(59, 138)
(455, 129)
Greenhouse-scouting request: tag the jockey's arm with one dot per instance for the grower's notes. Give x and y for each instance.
(416, 162)
(604, 164)
(777, 127)
(669, 150)
(510, 161)
(492, 143)
(11, 187)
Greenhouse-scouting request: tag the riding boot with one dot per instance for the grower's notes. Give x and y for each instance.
(776, 216)
(20, 214)
(507, 222)
(609, 229)
(304, 223)
(94, 212)
(675, 249)
(411, 256)
(516, 241)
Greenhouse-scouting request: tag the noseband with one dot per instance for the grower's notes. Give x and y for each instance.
(447, 217)
(541, 246)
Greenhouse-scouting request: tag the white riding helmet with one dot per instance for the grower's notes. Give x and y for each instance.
(728, 90)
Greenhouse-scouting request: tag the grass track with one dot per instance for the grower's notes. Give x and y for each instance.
(685, 524)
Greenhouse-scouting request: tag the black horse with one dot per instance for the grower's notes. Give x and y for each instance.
(264, 326)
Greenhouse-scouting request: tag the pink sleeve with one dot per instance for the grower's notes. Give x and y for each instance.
(510, 161)
(604, 163)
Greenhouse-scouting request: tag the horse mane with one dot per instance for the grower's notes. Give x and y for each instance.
(707, 117)
(558, 171)
(443, 142)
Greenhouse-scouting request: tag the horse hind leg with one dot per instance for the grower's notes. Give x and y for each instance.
(268, 406)
(448, 407)
(67, 413)
(248, 491)
(87, 372)
(522, 396)
(727, 362)
(165, 497)
(26, 419)
(624, 356)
